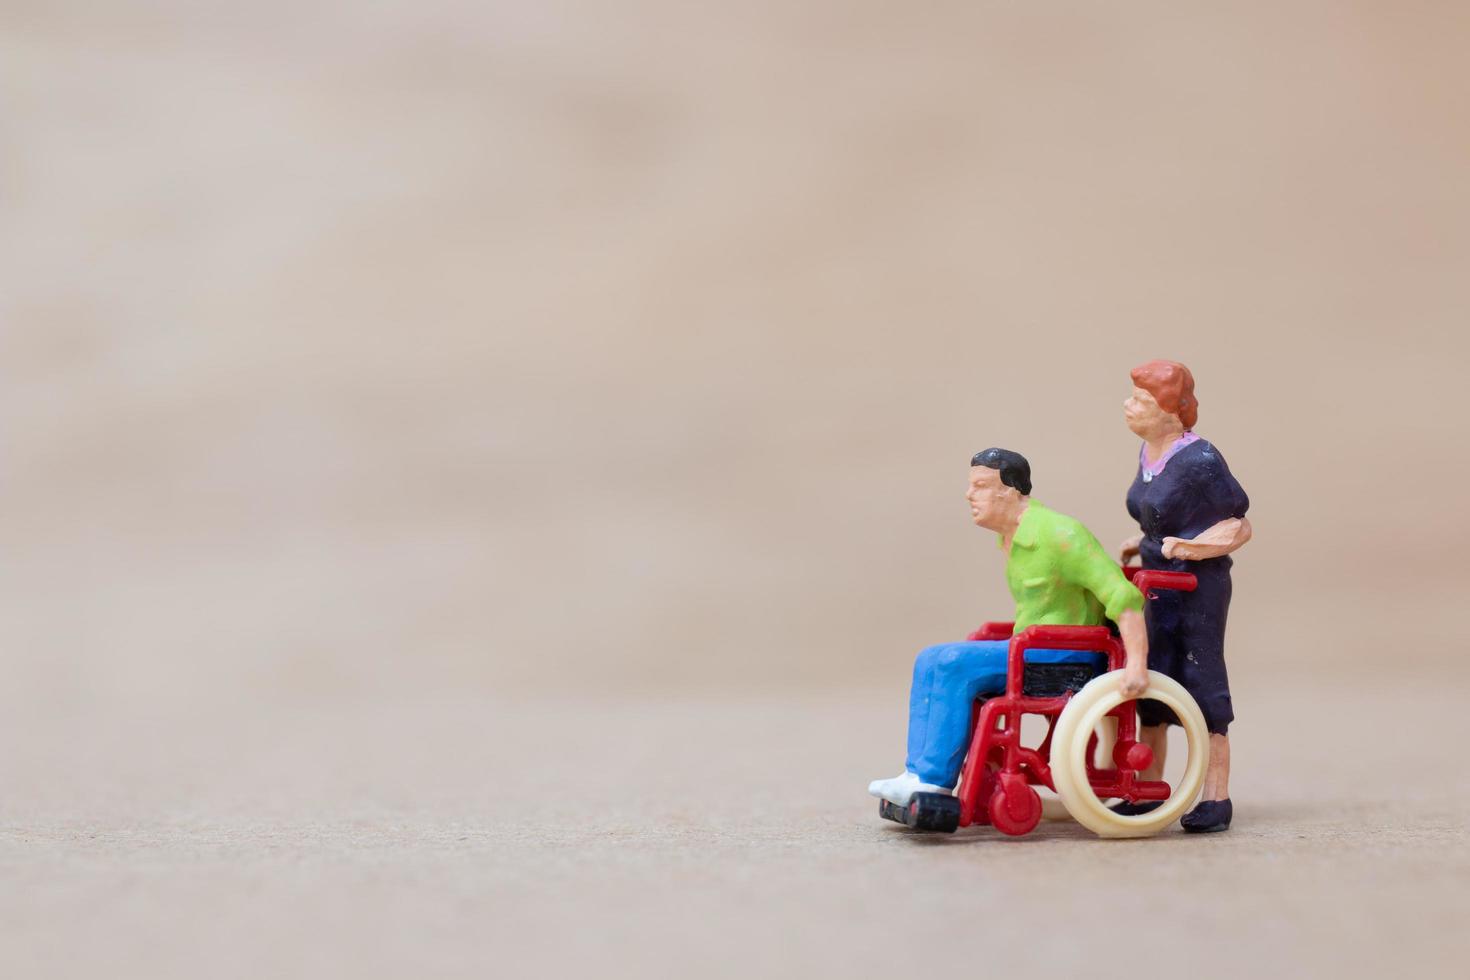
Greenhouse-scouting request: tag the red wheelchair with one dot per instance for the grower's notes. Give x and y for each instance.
(1090, 752)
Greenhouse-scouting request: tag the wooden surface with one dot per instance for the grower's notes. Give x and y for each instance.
(693, 837)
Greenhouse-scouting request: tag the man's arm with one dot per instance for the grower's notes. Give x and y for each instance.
(1089, 566)
(1135, 643)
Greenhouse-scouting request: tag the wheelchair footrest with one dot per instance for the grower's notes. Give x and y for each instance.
(926, 811)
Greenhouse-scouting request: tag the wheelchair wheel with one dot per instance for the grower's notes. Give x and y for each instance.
(1053, 810)
(1069, 749)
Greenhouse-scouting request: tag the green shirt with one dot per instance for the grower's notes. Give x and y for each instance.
(1059, 574)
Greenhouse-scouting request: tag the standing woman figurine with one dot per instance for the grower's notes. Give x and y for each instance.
(1192, 515)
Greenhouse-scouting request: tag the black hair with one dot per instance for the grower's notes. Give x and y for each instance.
(1014, 470)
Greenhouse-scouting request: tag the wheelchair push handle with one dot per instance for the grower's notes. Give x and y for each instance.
(1146, 580)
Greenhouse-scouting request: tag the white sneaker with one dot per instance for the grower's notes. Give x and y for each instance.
(901, 788)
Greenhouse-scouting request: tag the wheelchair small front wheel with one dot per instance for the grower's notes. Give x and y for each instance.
(1069, 751)
(1014, 807)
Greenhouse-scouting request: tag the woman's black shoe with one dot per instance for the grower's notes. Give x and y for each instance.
(1207, 818)
(1134, 809)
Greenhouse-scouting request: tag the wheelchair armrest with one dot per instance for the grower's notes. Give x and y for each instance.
(993, 631)
(1057, 638)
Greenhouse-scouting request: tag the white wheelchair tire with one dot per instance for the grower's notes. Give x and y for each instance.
(1069, 748)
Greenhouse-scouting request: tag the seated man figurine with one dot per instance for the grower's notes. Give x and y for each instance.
(1059, 575)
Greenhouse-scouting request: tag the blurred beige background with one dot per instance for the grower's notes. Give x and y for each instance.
(400, 400)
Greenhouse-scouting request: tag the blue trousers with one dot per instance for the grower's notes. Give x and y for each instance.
(947, 679)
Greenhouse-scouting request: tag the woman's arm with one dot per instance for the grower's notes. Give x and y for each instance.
(1222, 539)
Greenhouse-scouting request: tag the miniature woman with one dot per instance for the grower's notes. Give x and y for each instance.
(1191, 511)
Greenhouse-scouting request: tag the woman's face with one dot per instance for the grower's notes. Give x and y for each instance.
(1146, 419)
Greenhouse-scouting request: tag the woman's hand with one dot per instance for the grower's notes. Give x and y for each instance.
(1128, 550)
(1179, 548)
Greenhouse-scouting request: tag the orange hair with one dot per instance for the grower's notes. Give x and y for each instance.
(1172, 386)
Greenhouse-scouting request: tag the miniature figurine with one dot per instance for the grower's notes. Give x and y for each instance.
(1191, 511)
(1058, 574)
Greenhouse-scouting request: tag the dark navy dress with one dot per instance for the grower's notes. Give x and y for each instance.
(1186, 630)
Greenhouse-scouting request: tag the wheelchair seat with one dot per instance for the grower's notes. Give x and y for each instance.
(1052, 680)
(1052, 673)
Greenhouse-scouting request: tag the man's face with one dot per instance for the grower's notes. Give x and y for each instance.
(1144, 416)
(986, 496)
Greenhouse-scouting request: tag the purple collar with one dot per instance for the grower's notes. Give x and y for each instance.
(1149, 472)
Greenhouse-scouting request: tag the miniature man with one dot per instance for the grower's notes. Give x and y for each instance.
(1059, 575)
